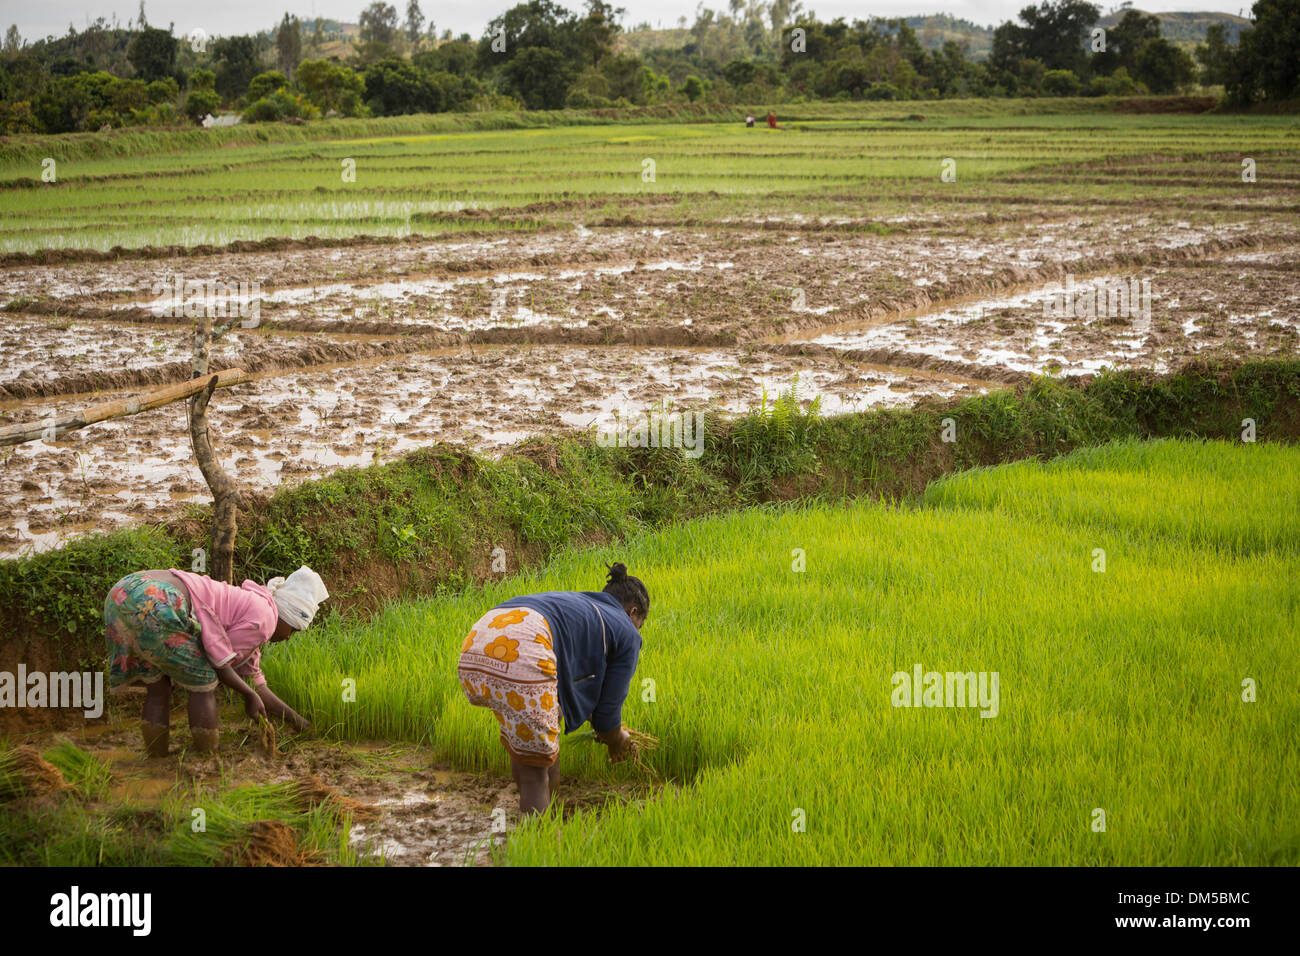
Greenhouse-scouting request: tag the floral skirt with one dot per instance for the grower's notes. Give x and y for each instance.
(507, 664)
(152, 633)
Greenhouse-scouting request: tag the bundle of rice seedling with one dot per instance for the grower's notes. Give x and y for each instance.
(272, 843)
(313, 792)
(643, 743)
(266, 738)
(25, 773)
(82, 771)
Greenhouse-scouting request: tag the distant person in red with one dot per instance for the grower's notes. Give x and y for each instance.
(771, 122)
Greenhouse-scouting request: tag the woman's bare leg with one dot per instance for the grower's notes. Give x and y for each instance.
(156, 718)
(533, 783)
(203, 721)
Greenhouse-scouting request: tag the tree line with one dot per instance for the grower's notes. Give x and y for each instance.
(540, 55)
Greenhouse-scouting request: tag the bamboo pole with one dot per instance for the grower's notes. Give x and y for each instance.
(50, 430)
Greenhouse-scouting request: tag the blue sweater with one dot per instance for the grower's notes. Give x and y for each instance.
(594, 665)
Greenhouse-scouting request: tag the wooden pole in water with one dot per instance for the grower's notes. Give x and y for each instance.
(51, 429)
(225, 493)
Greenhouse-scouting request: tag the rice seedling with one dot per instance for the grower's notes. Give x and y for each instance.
(262, 825)
(312, 792)
(266, 738)
(82, 771)
(165, 188)
(773, 690)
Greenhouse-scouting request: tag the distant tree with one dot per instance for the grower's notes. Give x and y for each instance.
(264, 84)
(17, 117)
(627, 78)
(594, 34)
(237, 64)
(1029, 76)
(199, 102)
(740, 72)
(69, 66)
(537, 23)
(1120, 83)
(693, 87)
(379, 23)
(539, 76)
(13, 40)
(165, 90)
(1125, 40)
(414, 22)
(395, 86)
(280, 105)
(288, 44)
(332, 86)
(1215, 56)
(23, 77)
(1060, 83)
(152, 53)
(1052, 33)
(455, 56)
(1266, 64)
(1163, 67)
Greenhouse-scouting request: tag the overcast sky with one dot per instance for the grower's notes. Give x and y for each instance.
(36, 20)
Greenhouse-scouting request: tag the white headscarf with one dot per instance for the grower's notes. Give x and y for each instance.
(298, 596)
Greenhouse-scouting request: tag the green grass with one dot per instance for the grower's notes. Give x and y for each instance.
(136, 189)
(1119, 690)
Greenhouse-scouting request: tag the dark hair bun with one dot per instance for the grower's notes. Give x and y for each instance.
(617, 572)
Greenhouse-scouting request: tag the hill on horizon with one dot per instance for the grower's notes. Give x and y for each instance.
(1185, 28)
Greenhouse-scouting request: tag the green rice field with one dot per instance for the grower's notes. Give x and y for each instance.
(1121, 685)
(184, 191)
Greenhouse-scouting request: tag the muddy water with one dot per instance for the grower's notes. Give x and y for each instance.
(281, 429)
(36, 348)
(879, 310)
(1180, 314)
(428, 814)
(736, 282)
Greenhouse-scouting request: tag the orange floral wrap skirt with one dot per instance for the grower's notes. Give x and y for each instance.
(507, 664)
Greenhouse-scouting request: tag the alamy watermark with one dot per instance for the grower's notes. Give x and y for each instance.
(128, 910)
(1113, 299)
(923, 688)
(81, 691)
(658, 428)
(212, 298)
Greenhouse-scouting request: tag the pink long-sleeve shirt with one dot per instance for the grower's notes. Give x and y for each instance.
(236, 621)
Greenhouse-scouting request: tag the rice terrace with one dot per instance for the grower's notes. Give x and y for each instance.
(940, 451)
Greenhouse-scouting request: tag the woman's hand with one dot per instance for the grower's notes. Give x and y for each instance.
(254, 706)
(275, 707)
(620, 744)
